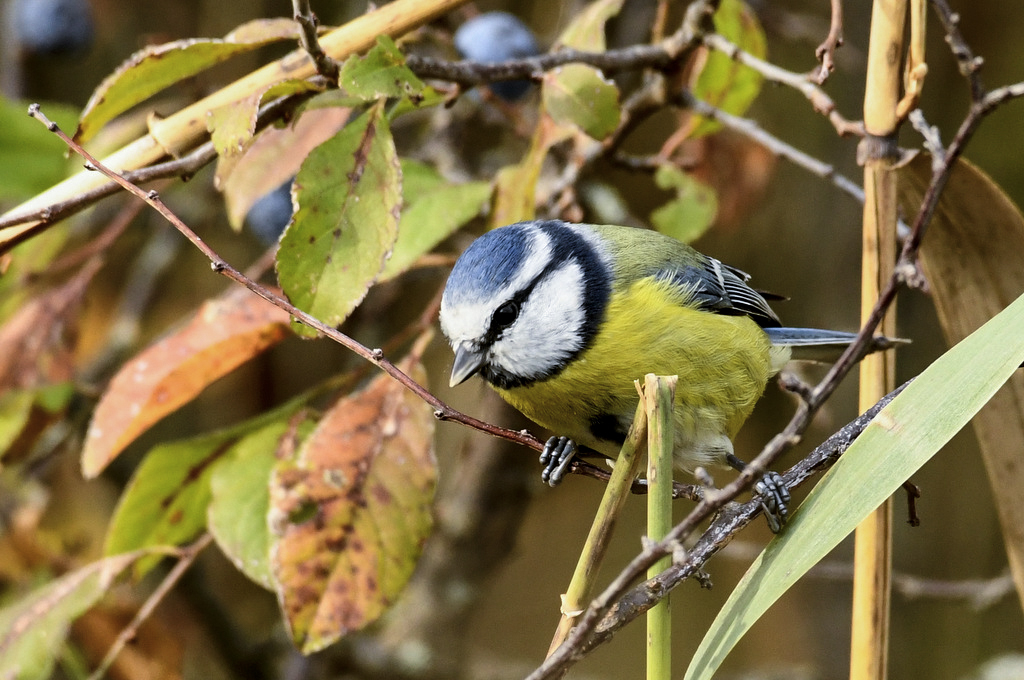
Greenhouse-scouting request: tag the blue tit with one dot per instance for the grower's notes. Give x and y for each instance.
(561, 318)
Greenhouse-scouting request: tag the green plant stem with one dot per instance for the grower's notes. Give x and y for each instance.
(659, 396)
(581, 585)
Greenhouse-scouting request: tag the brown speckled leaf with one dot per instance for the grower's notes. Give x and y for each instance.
(350, 514)
(225, 333)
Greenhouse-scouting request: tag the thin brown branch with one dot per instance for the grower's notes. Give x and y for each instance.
(375, 356)
(800, 82)
(186, 556)
(826, 51)
(310, 41)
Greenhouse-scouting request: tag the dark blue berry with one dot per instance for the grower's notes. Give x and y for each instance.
(53, 27)
(495, 37)
(269, 216)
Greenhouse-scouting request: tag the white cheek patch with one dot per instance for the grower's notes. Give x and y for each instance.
(549, 328)
(469, 320)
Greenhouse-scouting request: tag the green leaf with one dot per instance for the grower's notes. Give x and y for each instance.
(165, 501)
(381, 72)
(904, 435)
(580, 95)
(688, 215)
(156, 68)
(434, 211)
(240, 500)
(586, 32)
(32, 630)
(34, 157)
(723, 82)
(349, 198)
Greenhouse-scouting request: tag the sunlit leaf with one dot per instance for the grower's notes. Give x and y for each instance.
(723, 82)
(33, 156)
(240, 500)
(431, 215)
(225, 333)
(155, 68)
(973, 257)
(916, 424)
(688, 215)
(579, 95)
(272, 159)
(32, 630)
(586, 31)
(349, 198)
(351, 513)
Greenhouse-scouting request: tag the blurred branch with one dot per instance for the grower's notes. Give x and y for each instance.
(826, 51)
(750, 129)
(978, 593)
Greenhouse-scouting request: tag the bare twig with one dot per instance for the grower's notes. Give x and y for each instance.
(826, 51)
(186, 556)
(800, 82)
(310, 41)
(375, 356)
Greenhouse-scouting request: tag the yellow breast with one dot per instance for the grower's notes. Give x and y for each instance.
(723, 363)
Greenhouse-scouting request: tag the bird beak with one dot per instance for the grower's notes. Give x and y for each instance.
(467, 362)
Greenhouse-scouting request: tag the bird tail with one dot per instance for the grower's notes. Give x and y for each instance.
(813, 344)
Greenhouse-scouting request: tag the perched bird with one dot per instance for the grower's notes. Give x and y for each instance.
(561, 318)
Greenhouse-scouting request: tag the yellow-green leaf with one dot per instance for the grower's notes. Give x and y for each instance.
(240, 499)
(688, 215)
(156, 68)
(901, 438)
(579, 95)
(724, 82)
(349, 198)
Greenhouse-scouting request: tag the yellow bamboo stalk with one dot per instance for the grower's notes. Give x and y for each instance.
(869, 640)
(186, 129)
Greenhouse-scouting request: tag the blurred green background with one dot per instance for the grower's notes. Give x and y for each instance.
(800, 239)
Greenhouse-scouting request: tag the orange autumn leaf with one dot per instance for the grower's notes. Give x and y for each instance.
(224, 333)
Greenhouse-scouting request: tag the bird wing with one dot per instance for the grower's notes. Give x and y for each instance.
(719, 288)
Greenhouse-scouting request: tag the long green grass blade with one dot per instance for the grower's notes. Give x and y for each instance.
(904, 435)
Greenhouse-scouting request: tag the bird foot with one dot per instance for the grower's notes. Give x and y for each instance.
(774, 499)
(556, 459)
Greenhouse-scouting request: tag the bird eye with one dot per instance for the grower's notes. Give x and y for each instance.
(505, 316)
